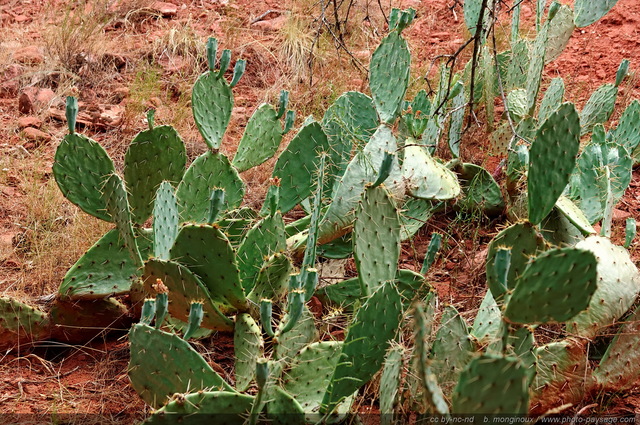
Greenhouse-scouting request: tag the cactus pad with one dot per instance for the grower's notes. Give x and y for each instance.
(555, 287)
(154, 156)
(81, 167)
(163, 364)
(376, 239)
(552, 99)
(428, 179)
(20, 323)
(599, 107)
(248, 346)
(165, 221)
(206, 251)
(201, 408)
(552, 160)
(492, 385)
(588, 12)
(209, 171)
(260, 140)
(617, 288)
(212, 102)
(272, 278)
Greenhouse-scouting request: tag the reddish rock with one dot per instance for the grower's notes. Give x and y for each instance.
(165, 9)
(274, 24)
(30, 55)
(11, 80)
(45, 96)
(35, 135)
(620, 215)
(27, 99)
(34, 122)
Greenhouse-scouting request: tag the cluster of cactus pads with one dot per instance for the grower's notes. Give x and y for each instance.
(366, 177)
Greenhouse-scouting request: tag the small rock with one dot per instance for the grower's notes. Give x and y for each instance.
(274, 24)
(620, 215)
(45, 96)
(11, 83)
(35, 135)
(30, 55)
(34, 122)
(165, 9)
(27, 99)
(20, 19)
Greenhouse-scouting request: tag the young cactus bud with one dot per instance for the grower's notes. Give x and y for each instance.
(266, 313)
(296, 305)
(385, 168)
(310, 282)
(432, 252)
(623, 70)
(162, 302)
(148, 311)
(238, 71)
(501, 265)
(151, 114)
(212, 51)
(217, 204)
(273, 195)
(553, 9)
(629, 232)
(289, 120)
(262, 372)
(283, 103)
(72, 113)
(225, 60)
(196, 315)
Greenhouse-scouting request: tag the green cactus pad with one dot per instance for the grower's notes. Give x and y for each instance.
(248, 347)
(203, 408)
(452, 349)
(154, 156)
(552, 160)
(574, 215)
(589, 181)
(552, 99)
(115, 196)
(555, 287)
(350, 121)
(618, 286)
(298, 164)
(472, 9)
(368, 336)
(303, 333)
(265, 238)
(492, 385)
(284, 409)
(212, 102)
(391, 382)
(599, 107)
(272, 278)
(81, 167)
(105, 269)
(486, 325)
(163, 364)
(480, 190)
(457, 122)
(206, 251)
(376, 239)
(389, 76)
(517, 103)
(165, 221)
(21, 323)
(619, 368)
(561, 368)
(362, 169)
(236, 223)
(588, 12)
(428, 179)
(413, 216)
(536, 66)
(627, 133)
(560, 30)
(209, 171)
(343, 294)
(518, 65)
(432, 397)
(184, 288)
(260, 140)
(525, 242)
(310, 372)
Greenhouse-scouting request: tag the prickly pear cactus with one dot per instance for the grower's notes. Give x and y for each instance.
(204, 407)
(163, 364)
(376, 239)
(391, 383)
(554, 287)
(428, 179)
(208, 172)
(166, 220)
(587, 12)
(552, 160)
(390, 70)
(21, 323)
(248, 347)
(507, 378)
(154, 156)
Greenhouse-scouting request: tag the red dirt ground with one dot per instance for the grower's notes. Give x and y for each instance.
(92, 379)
